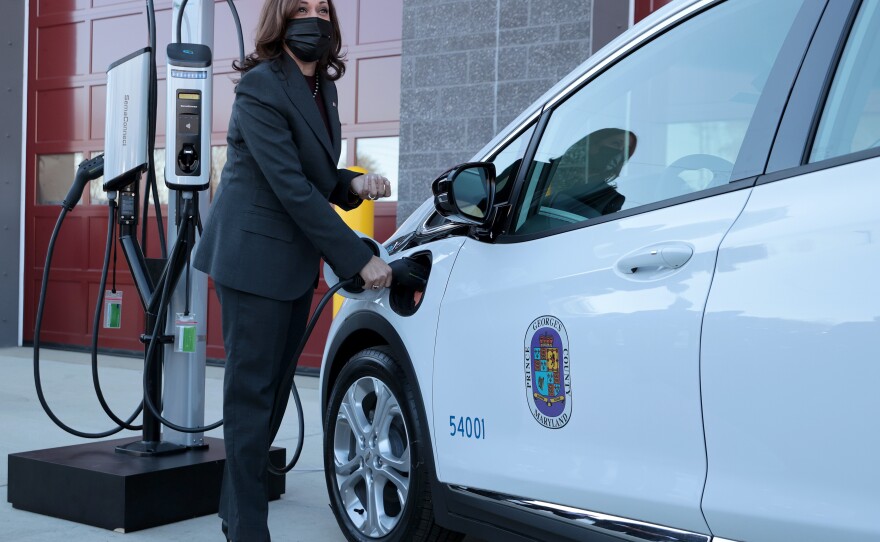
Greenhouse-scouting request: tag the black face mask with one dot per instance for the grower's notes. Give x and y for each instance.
(309, 39)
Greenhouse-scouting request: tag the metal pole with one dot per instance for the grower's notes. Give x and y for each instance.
(185, 372)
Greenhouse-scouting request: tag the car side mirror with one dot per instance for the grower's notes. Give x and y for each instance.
(465, 194)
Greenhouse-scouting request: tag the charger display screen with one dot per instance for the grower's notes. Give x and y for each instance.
(188, 135)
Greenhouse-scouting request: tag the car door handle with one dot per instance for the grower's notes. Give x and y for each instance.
(656, 258)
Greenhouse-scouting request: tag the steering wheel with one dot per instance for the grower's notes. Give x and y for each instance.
(671, 184)
(720, 168)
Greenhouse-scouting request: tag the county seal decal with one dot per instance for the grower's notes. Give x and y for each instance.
(548, 372)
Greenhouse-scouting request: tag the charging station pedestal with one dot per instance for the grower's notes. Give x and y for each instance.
(93, 484)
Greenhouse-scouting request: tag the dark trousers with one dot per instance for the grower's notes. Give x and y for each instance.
(260, 336)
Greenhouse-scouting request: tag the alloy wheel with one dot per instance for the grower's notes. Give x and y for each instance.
(371, 457)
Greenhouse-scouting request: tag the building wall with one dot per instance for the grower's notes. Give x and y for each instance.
(12, 26)
(643, 8)
(471, 66)
(468, 68)
(71, 43)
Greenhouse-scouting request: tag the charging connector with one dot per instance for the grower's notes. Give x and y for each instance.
(87, 171)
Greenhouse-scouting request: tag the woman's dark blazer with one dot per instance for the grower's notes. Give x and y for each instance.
(270, 221)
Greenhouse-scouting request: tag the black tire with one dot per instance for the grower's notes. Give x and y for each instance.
(404, 512)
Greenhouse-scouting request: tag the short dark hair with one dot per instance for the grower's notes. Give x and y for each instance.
(269, 42)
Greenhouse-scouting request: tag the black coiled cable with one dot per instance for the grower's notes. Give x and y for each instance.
(234, 18)
(160, 324)
(96, 322)
(37, 329)
(286, 381)
(151, 142)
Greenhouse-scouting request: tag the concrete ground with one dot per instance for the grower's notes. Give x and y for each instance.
(302, 514)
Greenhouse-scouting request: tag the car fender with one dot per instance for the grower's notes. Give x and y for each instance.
(361, 324)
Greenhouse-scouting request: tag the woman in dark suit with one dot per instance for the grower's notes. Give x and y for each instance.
(269, 224)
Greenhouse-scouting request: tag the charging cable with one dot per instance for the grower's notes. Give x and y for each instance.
(234, 18)
(87, 171)
(152, 99)
(287, 380)
(92, 169)
(96, 322)
(162, 310)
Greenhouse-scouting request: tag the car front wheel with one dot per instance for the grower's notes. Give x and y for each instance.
(374, 446)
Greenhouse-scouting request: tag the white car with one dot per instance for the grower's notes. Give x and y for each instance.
(653, 304)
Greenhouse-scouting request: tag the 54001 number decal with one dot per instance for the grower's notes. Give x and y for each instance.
(467, 427)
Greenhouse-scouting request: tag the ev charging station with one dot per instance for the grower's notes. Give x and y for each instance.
(188, 173)
(172, 474)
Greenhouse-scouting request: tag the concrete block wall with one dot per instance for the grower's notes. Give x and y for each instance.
(469, 67)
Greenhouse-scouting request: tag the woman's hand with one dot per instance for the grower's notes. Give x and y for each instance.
(371, 186)
(376, 274)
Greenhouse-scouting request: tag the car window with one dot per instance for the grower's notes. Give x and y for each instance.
(507, 163)
(851, 119)
(665, 121)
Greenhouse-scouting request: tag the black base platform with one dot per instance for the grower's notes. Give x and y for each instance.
(93, 484)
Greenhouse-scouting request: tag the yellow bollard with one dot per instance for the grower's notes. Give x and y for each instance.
(360, 219)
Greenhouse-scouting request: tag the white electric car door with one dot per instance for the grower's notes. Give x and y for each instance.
(566, 370)
(791, 338)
